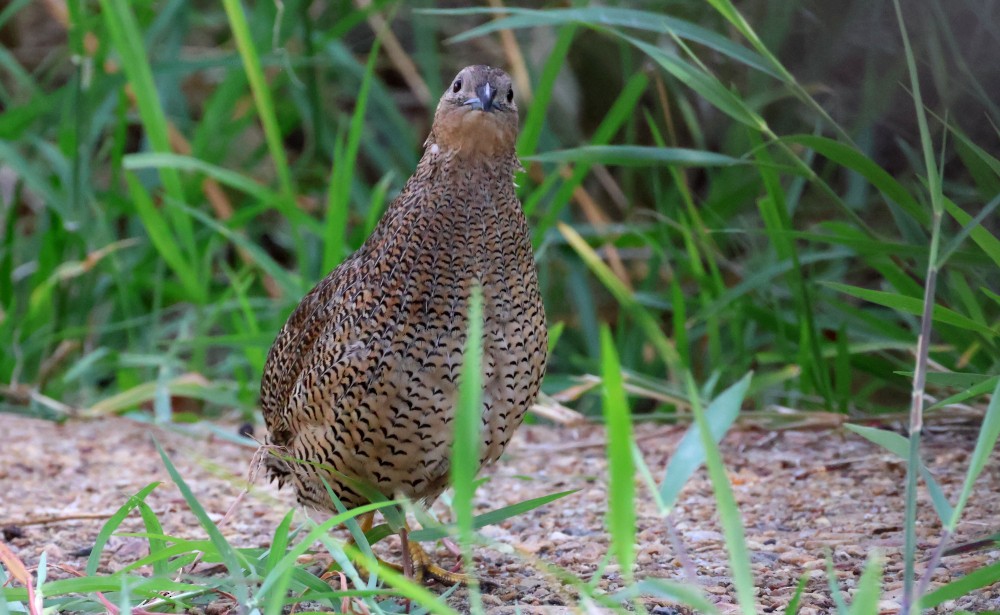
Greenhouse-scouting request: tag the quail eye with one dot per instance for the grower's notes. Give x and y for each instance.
(456, 86)
(510, 95)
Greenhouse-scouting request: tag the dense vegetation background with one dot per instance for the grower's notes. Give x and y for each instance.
(165, 207)
(770, 190)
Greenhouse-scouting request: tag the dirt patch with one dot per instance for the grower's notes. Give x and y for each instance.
(802, 494)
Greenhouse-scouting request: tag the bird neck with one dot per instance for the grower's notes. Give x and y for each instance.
(454, 208)
(471, 176)
(473, 133)
(448, 193)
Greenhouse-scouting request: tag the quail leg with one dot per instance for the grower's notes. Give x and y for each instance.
(422, 564)
(417, 563)
(454, 550)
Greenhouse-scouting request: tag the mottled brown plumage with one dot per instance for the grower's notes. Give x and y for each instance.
(364, 375)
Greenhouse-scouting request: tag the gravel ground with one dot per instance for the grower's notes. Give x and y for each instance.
(802, 494)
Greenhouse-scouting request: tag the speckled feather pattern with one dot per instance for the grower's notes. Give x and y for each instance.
(364, 375)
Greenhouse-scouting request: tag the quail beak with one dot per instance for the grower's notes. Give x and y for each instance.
(484, 98)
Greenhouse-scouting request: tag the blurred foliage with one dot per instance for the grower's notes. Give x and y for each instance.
(175, 175)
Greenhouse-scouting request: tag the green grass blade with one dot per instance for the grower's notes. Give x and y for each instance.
(124, 598)
(727, 10)
(849, 157)
(238, 181)
(128, 41)
(146, 588)
(338, 202)
(981, 236)
(222, 546)
(314, 534)
(33, 177)
(621, 472)
(637, 156)
(670, 590)
(292, 285)
(690, 453)
(989, 432)
(621, 293)
(777, 221)
(468, 437)
(266, 112)
(534, 119)
(869, 589)
(275, 603)
(704, 83)
(616, 117)
(147, 391)
(408, 589)
(278, 544)
(427, 534)
(112, 524)
(983, 577)
(261, 95)
(159, 234)
(729, 513)
(599, 17)
(153, 527)
(842, 371)
(6, 602)
(968, 227)
(172, 556)
(793, 605)
(831, 582)
(900, 446)
(914, 305)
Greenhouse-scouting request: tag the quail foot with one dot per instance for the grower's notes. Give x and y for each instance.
(363, 378)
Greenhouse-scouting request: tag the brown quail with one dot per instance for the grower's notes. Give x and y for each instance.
(363, 377)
